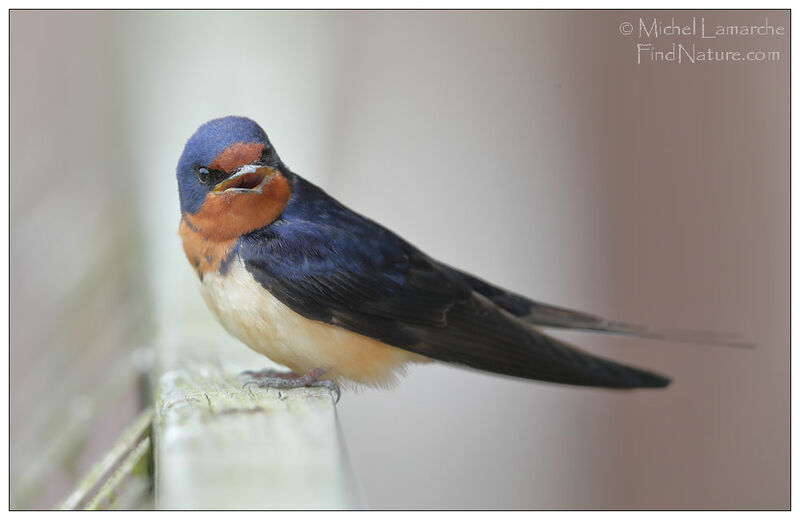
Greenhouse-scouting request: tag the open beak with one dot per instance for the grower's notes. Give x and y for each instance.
(250, 178)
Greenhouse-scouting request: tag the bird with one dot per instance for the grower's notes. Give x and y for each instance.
(341, 300)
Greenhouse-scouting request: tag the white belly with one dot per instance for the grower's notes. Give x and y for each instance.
(253, 315)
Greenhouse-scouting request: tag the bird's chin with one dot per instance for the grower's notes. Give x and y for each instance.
(248, 179)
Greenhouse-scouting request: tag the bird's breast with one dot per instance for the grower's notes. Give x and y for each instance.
(253, 315)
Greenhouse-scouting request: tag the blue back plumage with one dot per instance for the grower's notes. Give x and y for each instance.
(204, 146)
(315, 233)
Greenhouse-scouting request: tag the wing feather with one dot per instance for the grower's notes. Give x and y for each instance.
(343, 269)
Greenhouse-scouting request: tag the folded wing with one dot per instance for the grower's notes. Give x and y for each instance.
(359, 276)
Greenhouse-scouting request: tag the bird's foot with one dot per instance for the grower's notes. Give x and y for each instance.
(267, 372)
(274, 379)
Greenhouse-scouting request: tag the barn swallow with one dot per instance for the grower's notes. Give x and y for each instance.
(338, 298)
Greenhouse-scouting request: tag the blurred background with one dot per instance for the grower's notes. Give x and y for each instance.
(528, 148)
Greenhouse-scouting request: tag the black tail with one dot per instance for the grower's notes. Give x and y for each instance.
(544, 315)
(480, 335)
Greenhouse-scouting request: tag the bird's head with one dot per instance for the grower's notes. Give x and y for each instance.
(231, 180)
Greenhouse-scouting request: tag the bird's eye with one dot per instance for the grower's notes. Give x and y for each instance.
(203, 175)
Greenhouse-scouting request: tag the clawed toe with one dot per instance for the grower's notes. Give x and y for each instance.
(330, 385)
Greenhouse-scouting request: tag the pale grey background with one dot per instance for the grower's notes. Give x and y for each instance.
(525, 147)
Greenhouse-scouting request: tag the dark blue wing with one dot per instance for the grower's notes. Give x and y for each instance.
(332, 265)
(344, 269)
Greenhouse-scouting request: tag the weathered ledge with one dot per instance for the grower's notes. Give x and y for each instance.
(219, 445)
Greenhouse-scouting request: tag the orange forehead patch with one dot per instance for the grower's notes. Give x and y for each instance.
(237, 155)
